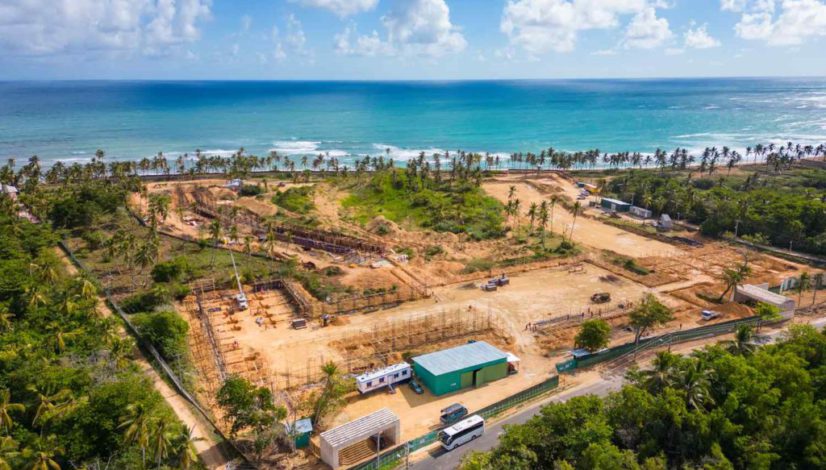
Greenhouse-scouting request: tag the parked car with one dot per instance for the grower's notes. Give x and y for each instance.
(453, 413)
(601, 297)
(709, 315)
(416, 387)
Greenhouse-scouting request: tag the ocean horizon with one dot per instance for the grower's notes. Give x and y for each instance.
(70, 120)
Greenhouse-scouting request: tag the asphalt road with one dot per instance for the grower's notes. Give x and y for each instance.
(439, 459)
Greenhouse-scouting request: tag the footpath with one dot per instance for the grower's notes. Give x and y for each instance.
(207, 445)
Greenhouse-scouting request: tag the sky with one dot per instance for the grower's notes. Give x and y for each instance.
(409, 39)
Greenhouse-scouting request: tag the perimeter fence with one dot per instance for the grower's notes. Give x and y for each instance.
(674, 337)
(391, 458)
(153, 352)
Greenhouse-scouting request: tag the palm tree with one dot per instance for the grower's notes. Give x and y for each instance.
(137, 427)
(695, 383)
(532, 213)
(161, 442)
(803, 283)
(51, 405)
(44, 460)
(734, 276)
(8, 450)
(741, 344)
(5, 320)
(6, 406)
(661, 375)
(186, 448)
(816, 284)
(577, 207)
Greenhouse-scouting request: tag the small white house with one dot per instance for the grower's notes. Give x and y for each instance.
(381, 378)
(640, 212)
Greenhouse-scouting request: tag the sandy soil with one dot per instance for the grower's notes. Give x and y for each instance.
(587, 231)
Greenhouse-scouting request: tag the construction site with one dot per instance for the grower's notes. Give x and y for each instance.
(389, 304)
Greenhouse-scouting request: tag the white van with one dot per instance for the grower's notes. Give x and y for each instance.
(462, 432)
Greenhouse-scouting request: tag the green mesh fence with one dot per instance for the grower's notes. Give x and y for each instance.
(648, 343)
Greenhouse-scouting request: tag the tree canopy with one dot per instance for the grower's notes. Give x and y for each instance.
(719, 408)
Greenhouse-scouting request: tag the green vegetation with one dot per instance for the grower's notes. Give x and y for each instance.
(785, 209)
(70, 395)
(298, 199)
(250, 190)
(252, 408)
(629, 264)
(647, 315)
(423, 198)
(593, 335)
(724, 407)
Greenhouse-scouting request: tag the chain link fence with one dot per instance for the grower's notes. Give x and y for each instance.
(392, 458)
(153, 352)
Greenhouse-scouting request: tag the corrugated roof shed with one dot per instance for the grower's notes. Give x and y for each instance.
(360, 428)
(460, 357)
(763, 295)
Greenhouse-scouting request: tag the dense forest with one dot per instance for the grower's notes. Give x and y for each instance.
(727, 406)
(70, 393)
(782, 209)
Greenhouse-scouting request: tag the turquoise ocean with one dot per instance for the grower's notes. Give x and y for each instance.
(69, 120)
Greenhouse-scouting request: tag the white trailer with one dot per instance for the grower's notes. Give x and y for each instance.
(384, 377)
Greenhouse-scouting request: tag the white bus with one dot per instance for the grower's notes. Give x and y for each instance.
(462, 432)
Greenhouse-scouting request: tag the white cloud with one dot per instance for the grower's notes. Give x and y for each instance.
(292, 42)
(348, 42)
(698, 38)
(792, 23)
(246, 23)
(732, 5)
(415, 27)
(341, 8)
(44, 27)
(646, 31)
(540, 26)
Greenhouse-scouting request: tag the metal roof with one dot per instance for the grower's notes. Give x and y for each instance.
(460, 357)
(615, 201)
(360, 428)
(763, 295)
(374, 374)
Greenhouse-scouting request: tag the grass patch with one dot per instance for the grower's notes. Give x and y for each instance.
(298, 200)
(458, 207)
(630, 264)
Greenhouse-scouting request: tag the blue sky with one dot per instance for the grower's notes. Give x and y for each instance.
(409, 39)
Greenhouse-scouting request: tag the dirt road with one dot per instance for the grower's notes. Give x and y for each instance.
(587, 231)
(207, 445)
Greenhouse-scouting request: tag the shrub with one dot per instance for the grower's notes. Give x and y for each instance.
(94, 239)
(295, 199)
(331, 271)
(165, 330)
(250, 190)
(433, 250)
(168, 271)
(477, 265)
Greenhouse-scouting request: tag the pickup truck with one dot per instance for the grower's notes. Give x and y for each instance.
(709, 315)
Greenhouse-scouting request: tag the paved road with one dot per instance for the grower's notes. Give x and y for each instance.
(438, 459)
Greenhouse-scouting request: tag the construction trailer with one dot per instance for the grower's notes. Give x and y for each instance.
(614, 205)
(750, 293)
(469, 365)
(385, 377)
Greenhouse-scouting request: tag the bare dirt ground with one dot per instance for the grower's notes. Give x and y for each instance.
(587, 231)
(259, 344)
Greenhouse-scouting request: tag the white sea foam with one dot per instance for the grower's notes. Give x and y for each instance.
(295, 147)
